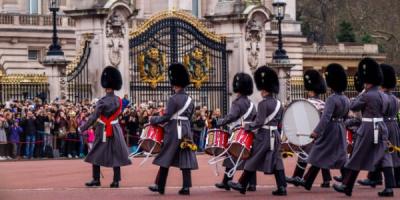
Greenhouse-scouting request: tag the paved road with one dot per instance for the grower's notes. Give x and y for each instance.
(64, 179)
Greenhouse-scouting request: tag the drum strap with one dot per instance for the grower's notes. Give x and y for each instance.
(177, 117)
(240, 121)
(267, 120)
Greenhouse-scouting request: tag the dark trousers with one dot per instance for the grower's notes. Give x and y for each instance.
(161, 178)
(397, 176)
(247, 175)
(300, 170)
(312, 174)
(96, 173)
(350, 177)
(375, 175)
(252, 181)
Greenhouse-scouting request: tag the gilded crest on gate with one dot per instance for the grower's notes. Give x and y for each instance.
(152, 64)
(198, 65)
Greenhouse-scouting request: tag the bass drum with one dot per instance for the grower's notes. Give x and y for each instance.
(299, 121)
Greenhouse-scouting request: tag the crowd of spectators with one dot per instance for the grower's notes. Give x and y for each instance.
(34, 129)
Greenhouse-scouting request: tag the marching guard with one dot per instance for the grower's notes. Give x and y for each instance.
(265, 155)
(177, 130)
(315, 85)
(109, 148)
(389, 83)
(242, 111)
(369, 151)
(329, 150)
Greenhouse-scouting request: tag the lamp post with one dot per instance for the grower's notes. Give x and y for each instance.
(279, 7)
(280, 60)
(55, 48)
(55, 58)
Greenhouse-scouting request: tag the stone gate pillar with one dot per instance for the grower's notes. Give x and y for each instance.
(108, 22)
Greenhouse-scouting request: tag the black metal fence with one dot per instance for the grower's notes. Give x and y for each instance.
(297, 90)
(24, 86)
(78, 85)
(171, 38)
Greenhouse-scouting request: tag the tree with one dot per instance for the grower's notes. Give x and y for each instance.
(366, 39)
(346, 32)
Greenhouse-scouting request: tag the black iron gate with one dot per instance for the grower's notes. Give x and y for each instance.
(171, 37)
(78, 85)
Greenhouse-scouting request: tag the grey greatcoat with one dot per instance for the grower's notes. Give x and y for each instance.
(238, 109)
(171, 154)
(393, 127)
(113, 152)
(329, 150)
(367, 155)
(262, 158)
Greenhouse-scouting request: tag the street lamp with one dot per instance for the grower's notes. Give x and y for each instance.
(55, 48)
(279, 7)
(55, 59)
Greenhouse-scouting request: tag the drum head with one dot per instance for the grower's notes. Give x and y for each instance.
(148, 144)
(299, 121)
(236, 148)
(214, 151)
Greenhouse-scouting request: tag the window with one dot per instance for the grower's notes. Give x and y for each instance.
(33, 6)
(196, 8)
(33, 54)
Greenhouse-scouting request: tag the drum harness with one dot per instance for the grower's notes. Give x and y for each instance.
(222, 156)
(176, 116)
(265, 126)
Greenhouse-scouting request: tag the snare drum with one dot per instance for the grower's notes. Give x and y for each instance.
(152, 138)
(240, 140)
(216, 141)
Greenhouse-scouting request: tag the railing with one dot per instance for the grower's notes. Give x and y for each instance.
(24, 86)
(297, 90)
(29, 20)
(6, 19)
(48, 20)
(34, 20)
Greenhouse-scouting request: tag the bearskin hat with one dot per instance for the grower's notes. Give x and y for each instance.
(358, 84)
(178, 75)
(313, 81)
(336, 77)
(243, 84)
(389, 76)
(266, 79)
(111, 78)
(370, 72)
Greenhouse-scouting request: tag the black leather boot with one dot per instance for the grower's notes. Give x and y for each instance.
(93, 183)
(281, 191)
(325, 184)
(184, 191)
(237, 187)
(114, 184)
(338, 178)
(155, 188)
(292, 180)
(387, 192)
(224, 184)
(252, 188)
(368, 182)
(342, 189)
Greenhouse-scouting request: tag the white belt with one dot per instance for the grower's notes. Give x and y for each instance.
(271, 135)
(179, 125)
(271, 128)
(112, 122)
(179, 118)
(376, 128)
(372, 119)
(104, 132)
